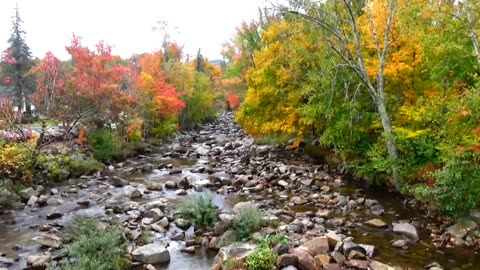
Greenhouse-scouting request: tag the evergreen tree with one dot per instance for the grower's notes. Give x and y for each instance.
(18, 64)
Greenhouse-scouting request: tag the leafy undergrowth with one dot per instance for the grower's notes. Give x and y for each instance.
(94, 245)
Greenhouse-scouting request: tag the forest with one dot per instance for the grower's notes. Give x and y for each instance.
(381, 91)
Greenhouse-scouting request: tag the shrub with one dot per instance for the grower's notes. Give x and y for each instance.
(456, 190)
(79, 167)
(109, 146)
(96, 246)
(164, 129)
(16, 163)
(248, 221)
(262, 258)
(54, 167)
(199, 209)
(134, 131)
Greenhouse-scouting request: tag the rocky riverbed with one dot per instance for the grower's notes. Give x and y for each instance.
(333, 223)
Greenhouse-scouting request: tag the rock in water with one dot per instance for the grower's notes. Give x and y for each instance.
(376, 222)
(49, 240)
(151, 254)
(132, 192)
(406, 229)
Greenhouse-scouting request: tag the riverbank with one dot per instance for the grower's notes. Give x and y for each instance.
(299, 196)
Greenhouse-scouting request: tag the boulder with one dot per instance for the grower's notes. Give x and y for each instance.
(151, 254)
(32, 200)
(49, 240)
(317, 245)
(406, 229)
(305, 259)
(170, 184)
(202, 151)
(132, 192)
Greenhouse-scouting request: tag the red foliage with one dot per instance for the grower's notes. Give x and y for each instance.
(233, 100)
(7, 80)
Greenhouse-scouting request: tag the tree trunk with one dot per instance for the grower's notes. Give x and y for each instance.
(391, 147)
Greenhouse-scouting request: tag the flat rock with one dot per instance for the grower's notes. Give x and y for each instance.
(376, 222)
(376, 265)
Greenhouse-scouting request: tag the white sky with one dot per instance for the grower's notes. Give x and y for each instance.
(126, 25)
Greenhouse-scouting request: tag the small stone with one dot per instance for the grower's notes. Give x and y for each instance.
(31, 202)
(175, 171)
(376, 265)
(54, 215)
(376, 222)
(180, 192)
(170, 184)
(54, 201)
(359, 264)
(84, 203)
(190, 249)
(399, 243)
(377, 210)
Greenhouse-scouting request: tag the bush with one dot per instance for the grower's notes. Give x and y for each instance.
(262, 258)
(248, 221)
(200, 210)
(16, 163)
(108, 146)
(54, 167)
(79, 167)
(165, 129)
(96, 246)
(456, 190)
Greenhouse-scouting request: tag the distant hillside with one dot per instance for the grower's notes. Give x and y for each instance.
(218, 62)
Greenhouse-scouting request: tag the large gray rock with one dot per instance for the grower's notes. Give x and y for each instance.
(462, 228)
(227, 238)
(406, 229)
(49, 240)
(151, 254)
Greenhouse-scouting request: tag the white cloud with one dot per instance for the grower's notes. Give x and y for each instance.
(126, 25)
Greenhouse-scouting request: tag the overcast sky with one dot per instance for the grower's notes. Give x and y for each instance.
(126, 25)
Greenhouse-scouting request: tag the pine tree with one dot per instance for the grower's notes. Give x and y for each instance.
(19, 64)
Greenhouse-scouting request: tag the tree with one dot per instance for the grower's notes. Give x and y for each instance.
(17, 62)
(339, 21)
